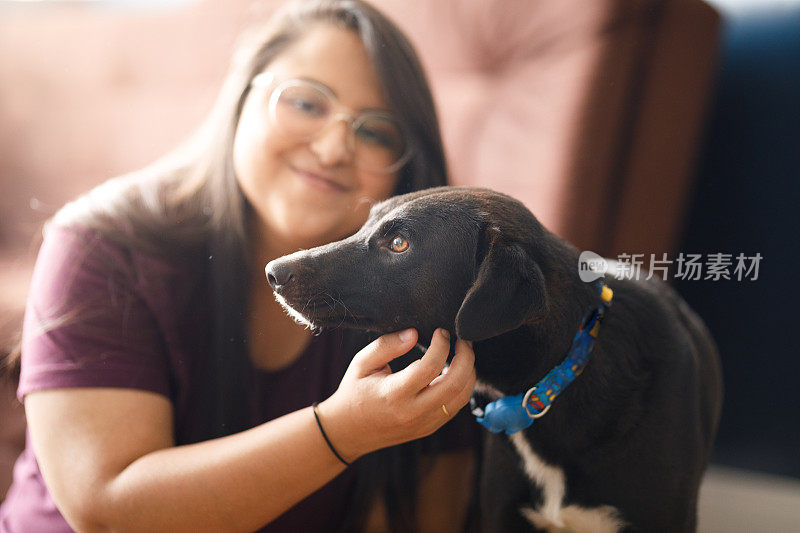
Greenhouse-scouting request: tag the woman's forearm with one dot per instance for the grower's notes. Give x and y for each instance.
(235, 483)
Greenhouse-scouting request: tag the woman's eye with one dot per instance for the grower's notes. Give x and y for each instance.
(306, 106)
(399, 244)
(376, 137)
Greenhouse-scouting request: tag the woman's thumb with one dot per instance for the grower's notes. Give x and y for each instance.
(377, 354)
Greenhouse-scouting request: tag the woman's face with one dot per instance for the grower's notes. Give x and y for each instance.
(309, 192)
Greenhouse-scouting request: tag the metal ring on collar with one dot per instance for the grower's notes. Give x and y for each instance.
(525, 405)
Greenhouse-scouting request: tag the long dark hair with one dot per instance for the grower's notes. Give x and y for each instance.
(190, 201)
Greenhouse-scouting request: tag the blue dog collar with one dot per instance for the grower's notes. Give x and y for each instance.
(514, 413)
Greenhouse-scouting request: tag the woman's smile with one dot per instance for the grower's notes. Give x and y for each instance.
(319, 180)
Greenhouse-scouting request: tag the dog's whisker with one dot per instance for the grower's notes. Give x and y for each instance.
(336, 301)
(305, 306)
(315, 330)
(347, 310)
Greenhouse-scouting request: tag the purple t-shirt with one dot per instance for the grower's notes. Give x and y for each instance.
(133, 320)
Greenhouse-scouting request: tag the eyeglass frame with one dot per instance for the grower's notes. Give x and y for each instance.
(268, 80)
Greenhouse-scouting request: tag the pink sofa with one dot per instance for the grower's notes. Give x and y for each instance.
(589, 111)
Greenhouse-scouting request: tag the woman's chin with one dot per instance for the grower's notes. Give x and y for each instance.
(311, 231)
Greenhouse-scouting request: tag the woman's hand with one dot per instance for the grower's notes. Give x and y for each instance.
(374, 408)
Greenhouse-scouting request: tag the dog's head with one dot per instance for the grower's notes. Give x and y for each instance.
(458, 258)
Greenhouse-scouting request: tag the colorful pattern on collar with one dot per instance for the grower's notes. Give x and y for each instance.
(514, 413)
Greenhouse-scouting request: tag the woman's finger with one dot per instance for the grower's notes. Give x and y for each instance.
(376, 355)
(421, 372)
(450, 386)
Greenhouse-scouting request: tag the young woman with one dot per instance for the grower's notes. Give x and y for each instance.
(164, 387)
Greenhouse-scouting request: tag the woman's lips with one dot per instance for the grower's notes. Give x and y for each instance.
(319, 181)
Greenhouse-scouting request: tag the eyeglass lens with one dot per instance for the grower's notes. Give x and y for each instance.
(303, 111)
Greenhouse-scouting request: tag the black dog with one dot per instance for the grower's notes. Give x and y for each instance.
(624, 446)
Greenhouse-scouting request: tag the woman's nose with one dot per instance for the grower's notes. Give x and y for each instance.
(331, 145)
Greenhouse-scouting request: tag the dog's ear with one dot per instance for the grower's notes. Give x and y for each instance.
(509, 289)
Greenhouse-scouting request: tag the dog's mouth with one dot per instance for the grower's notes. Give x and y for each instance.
(327, 311)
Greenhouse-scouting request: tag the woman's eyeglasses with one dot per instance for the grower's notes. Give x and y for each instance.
(302, 109)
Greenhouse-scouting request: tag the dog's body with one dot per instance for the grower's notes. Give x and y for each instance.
(624, 446)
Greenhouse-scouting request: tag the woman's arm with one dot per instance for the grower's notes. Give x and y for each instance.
(109, 460)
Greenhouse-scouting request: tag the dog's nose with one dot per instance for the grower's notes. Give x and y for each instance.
(278, 274)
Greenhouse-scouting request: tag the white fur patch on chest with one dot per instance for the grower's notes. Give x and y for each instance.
(551, 515)
(488, 390)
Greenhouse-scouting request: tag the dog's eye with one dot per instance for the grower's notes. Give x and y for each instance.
(399, 244)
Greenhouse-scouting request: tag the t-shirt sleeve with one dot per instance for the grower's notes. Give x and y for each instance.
(86, 325)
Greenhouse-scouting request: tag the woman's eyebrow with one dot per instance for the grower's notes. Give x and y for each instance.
(318, 83)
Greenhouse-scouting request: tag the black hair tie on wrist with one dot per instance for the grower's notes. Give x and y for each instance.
(324, 436)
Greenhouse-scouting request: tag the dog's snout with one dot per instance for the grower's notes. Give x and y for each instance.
(278, 274)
